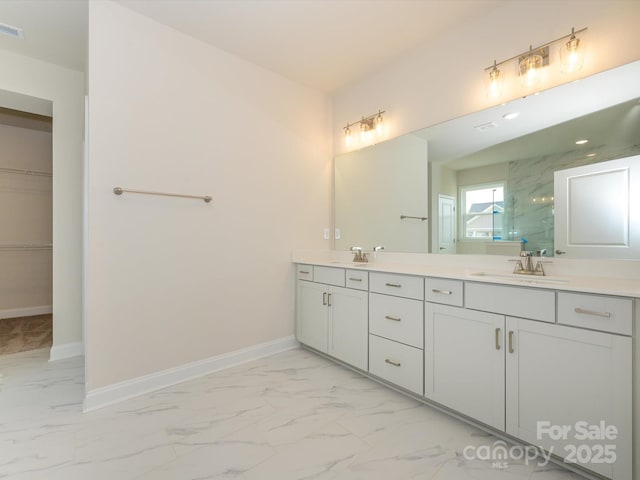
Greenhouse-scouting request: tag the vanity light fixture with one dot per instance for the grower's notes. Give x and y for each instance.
(368, 126)
(530, 63)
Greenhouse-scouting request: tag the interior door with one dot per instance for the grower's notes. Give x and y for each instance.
(597, 210)
(446, 224)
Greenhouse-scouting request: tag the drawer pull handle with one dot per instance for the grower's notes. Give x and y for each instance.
(510, 341)
(497, 339)
(394, 285)
(395, 319)
(329, 300)
(304, 272)
(324, 299)
(391, 362)
(592, 312)
(443, 292)
(353, 279)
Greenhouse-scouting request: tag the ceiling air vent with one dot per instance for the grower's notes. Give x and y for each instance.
(11, 31)
(485, 126)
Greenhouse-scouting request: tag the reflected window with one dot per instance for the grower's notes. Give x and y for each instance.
(482, 211)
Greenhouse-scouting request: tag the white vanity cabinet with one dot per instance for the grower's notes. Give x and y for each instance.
(570, 378)
(331, 318)
(549, 367)
(464, 361)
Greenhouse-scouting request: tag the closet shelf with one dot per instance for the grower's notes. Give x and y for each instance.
(26, 246)
(20, 171)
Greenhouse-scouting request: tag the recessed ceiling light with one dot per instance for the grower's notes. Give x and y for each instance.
(510, 115)
(581, 142)
(591, 154)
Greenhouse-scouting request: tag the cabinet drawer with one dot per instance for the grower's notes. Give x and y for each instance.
(398, 319)
(397, 363)
(358, 279)
(440, 290)
(515, 301)
(329, 275)
(398, 285)
(597, 312)
(304, 272)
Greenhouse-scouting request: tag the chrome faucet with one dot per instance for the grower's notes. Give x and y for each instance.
(378, 248)
(359, 256)
(524, 266)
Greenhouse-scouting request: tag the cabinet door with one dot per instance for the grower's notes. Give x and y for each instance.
(312, 315)
(561, 376)
(464, 361)
(348, 335)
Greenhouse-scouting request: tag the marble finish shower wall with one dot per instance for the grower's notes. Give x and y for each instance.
(531, 180)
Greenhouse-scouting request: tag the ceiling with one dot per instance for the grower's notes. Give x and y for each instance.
(54, 31)
(324, 44)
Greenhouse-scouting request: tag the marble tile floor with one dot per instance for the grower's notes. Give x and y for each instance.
(294, 415)
(25, 333)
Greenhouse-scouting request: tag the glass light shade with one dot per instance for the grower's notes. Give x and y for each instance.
(530, 69)
(364, 132)
(379, 126)
(494, 83)
(572, 55)
(347, 137)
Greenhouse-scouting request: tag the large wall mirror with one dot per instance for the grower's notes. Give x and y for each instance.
(484, 183)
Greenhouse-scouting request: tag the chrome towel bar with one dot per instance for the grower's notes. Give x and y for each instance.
(120, 191)
(402, 217)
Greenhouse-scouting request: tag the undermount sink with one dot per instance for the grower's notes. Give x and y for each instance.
(514, 277)
(350, 264)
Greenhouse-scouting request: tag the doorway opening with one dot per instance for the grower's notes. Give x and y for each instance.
(26, 229)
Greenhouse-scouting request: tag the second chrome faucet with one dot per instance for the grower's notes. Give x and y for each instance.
(524, 266)
(360, 256)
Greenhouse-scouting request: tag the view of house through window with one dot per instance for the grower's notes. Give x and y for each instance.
(482, 211)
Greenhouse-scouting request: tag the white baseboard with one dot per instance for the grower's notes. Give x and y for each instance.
(66, 350)
(104, 396)
(26, 311)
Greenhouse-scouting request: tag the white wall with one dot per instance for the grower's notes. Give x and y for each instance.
(172, 281)
(65, 89)
(446, 80)
(25, 218)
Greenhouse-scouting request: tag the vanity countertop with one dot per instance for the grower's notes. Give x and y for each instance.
(484, 272)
